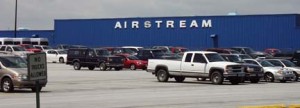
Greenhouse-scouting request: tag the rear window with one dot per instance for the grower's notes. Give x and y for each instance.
(76, 52)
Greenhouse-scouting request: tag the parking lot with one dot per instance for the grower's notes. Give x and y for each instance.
(83, 88)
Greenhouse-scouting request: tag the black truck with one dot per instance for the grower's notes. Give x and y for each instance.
(93, 57)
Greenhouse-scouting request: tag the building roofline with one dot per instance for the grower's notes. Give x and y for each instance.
(157, 17)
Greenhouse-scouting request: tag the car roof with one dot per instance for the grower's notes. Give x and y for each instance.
(206, 52)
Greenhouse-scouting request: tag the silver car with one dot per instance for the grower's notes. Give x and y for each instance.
(13, 74)
(286, 64)
(271, 72)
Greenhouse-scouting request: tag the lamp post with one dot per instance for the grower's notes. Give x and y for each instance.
(16, 13)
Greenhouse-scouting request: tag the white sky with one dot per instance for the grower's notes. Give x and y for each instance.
(40, 14)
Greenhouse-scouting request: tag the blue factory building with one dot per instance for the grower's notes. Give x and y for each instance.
(195, 32)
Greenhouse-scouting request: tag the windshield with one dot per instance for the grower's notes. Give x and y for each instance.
(132, 58)
(13, 62)
(234, 52)
(47, 47)
(18, 48)
(102, 53)
(288, 63)
(245, 57)
(62, 52)
(249, 50)
(127, 50)
(213, 57)
(266, 64)
(232, 58)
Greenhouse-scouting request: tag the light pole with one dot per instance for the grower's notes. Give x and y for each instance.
(16, 14)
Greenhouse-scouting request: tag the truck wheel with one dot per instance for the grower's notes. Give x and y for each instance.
(296, 77)
(61, 60)
(7, 85)
(91, 67)
(217, 77)
(254, 80)
(179, 79)
(132, 67)
(269, 77)
(103, 67)
(235, 81)
(118, 68)
(162, 75)
(76, 65)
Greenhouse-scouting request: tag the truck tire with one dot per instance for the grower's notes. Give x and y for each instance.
(235, 81)
(91, 67)
(76, 66)
(162, 75)
(254, 80)
(217, 77)
(103, 67)
(61, 60)
(179, 79)
(269, 77)
(7, 85)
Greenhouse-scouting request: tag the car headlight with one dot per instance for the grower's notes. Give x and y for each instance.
(249, 69)
(280, 71)
(22, 77)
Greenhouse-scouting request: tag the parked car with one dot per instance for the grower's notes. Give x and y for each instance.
(286, 64)
(146, 54)
(271, 72)
(249, 51)
(93, 57)
(63, 46)
(197, 64)
(272, 51)
(42, 47)
(133, 48)
(119, 50)
(132, 62)
(15, 50)
(165, 49)
(253, 72)
(178, 50)
(13, 74)
(223, 50)
(29, 47)
(55, 56)
(296, 58)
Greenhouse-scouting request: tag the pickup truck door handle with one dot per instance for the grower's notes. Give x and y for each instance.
(192, 64)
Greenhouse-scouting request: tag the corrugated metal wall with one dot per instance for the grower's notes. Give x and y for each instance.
(256, 31)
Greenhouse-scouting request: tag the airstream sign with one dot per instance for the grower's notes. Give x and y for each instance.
(163, 24)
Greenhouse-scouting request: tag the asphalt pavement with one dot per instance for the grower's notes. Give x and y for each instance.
(69, 88)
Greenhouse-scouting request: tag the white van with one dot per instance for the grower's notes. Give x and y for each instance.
(6, 41)
(39, 41)
(18, 41)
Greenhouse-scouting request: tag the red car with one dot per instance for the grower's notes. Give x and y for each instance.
(272, 51)
(30, 48)
(132, 62)
(178, 49)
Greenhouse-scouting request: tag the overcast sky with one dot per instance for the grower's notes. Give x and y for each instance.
(40, 14)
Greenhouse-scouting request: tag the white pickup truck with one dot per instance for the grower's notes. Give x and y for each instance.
(197, 64)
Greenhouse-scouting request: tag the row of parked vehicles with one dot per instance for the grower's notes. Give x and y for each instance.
(237, 64)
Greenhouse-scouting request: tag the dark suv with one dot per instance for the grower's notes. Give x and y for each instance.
(93, 57)
(250, 51)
